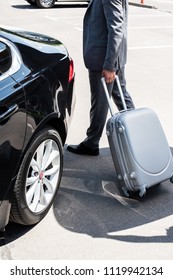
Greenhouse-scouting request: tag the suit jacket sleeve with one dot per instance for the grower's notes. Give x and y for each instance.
(116, 24)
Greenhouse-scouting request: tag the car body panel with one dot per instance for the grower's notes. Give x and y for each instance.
(35, 91)
(12, 130)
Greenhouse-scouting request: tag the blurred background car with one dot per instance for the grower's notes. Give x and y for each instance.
(36, 106)
(51, 3)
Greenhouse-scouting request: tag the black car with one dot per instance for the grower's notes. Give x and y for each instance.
(50, 3)
(36, 106)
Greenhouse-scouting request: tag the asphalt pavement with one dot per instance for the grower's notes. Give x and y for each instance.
(91, 219)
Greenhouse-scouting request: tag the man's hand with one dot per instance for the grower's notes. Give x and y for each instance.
(109, 76)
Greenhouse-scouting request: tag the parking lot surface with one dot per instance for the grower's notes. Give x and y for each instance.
(91, 219)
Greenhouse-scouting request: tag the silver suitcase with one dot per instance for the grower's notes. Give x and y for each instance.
(139, 148)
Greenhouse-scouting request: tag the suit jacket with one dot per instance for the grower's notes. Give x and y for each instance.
(105, 34)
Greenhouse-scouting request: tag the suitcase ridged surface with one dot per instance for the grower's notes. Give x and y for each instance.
(139, 149)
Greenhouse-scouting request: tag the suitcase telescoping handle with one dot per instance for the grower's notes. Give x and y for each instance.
(108, 96)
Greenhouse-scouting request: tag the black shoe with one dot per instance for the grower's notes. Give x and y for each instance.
(81, 149)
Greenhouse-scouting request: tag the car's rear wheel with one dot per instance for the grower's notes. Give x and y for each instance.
(32, 2)
(45, 3)
(38, 179)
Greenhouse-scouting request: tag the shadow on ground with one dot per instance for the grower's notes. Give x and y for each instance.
(90, 202)
(12, 232)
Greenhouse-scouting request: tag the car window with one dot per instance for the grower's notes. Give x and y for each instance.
(5, 58)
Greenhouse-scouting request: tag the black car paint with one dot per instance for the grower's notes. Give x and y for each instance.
(52, 4)
(37, 94)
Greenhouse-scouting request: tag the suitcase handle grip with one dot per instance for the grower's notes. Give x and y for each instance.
(108, 96)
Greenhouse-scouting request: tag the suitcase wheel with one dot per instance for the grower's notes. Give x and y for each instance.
(171, 179)
(125, 191)
(142, 192)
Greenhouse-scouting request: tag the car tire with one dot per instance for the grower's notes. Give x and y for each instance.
(45, 3)
(31, 2)
(38, 179)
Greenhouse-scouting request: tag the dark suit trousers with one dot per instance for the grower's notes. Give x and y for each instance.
(99, 105)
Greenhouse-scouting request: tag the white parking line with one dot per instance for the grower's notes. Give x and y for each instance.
(60, 18)
(152, 27)
(157, 14)
(52, 18)
(139, 27)
(150, 47)
(79, 28)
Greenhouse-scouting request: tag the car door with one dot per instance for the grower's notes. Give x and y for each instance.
(12, 115)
